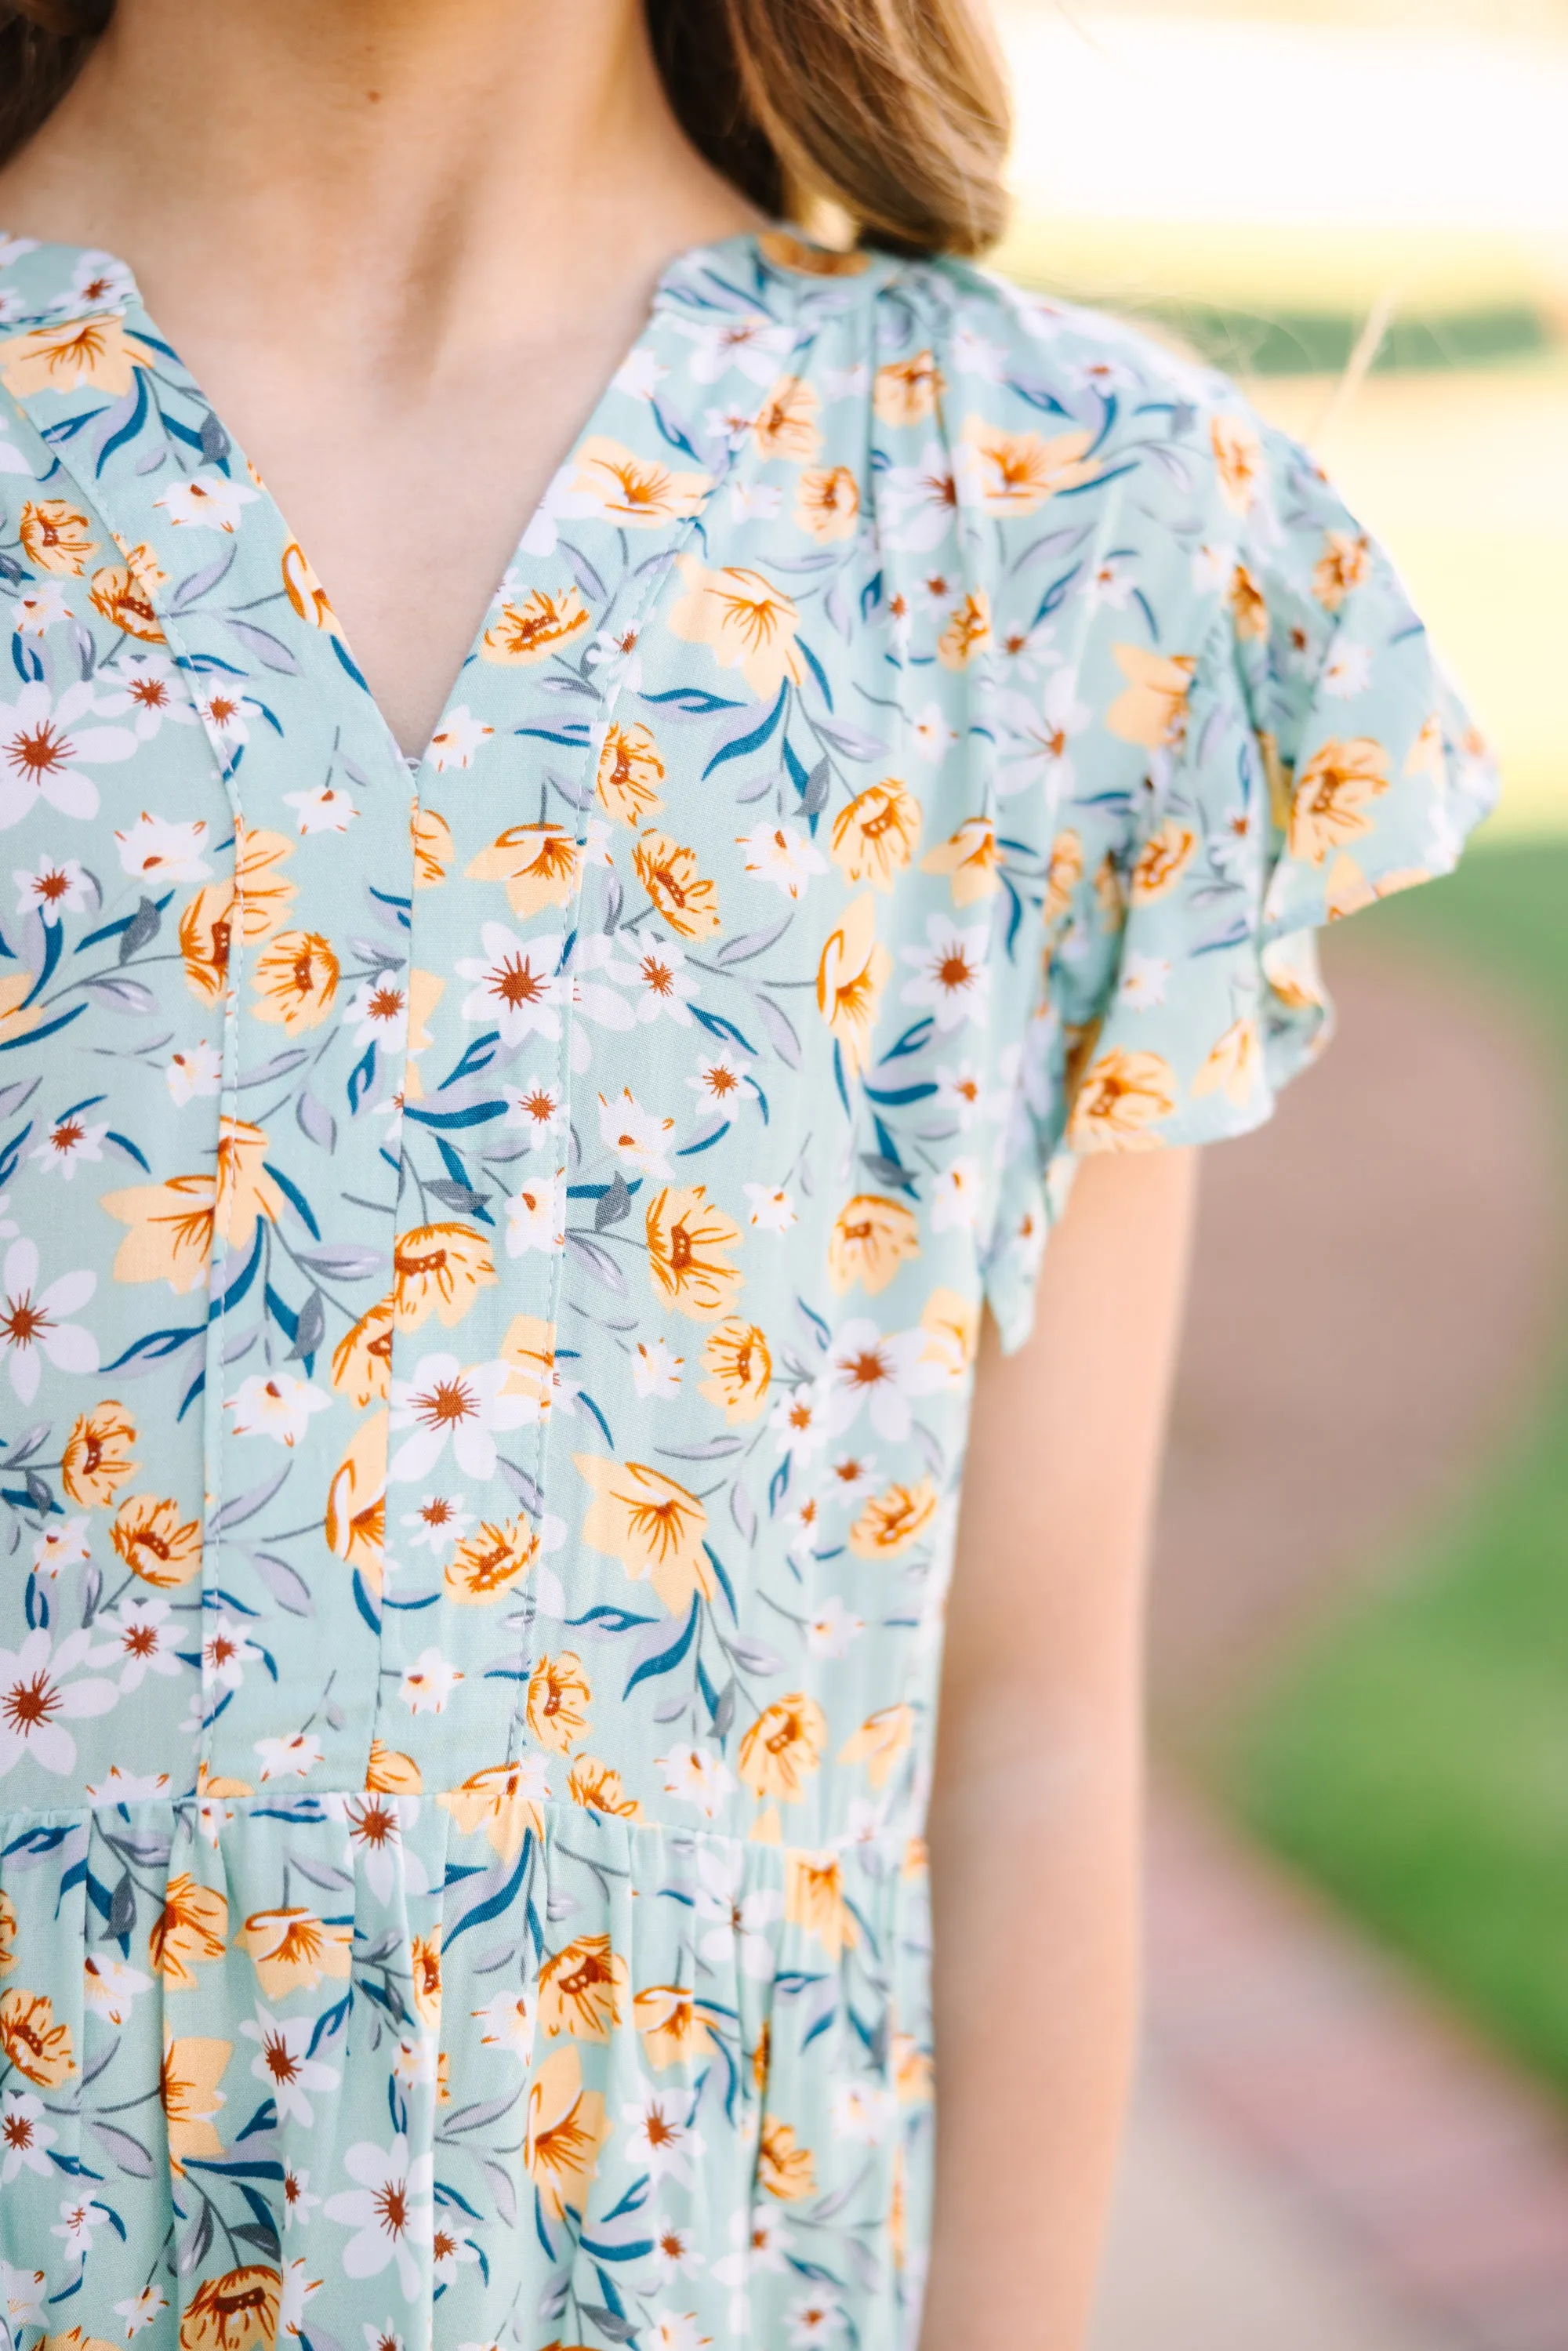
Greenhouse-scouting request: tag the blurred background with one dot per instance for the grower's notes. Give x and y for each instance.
(1352, 2131)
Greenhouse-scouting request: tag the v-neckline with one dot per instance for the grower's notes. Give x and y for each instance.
(123, 298)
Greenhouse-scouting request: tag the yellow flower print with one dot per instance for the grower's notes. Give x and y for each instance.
(1153, 710)
(651, 1524)
(32, 2040)
(1014, 473)
(1291, 968)
(557, 1702)
(79, 355)
(120, 593)
(876, 836)
(432, 848)
(1120, 1096)
(967, 633)
(7, 1933)
(783, 2167)
(828, 503)
(747, 624)
(361, 1359)
(891, 1521)
(879, 1741)
(424, 993)
(637, 493)
(503, 1801)
(54, 538)
(787, 252)
(296, 981)
(629, 775)
(908, 390)
(673, 2029)
(953, 1323)
(355, 1524)
(439, 1270)
(1331, 795)
(872, 1237)
(814, 1901)
(786, 424)
(1427, 756)
(190, 1930)
(490, 1561)
(537, 863)
(188, 2086)
(565, 2128)
(1063, 875)
(97, 1460)
(389, 1772)
(535, 626)
(292, 1950)
(688, 1243)
(969, 858)
(686, 898)
(739, 1366)
(1238, 458)
(1347, 890)
(1346, 564)
(236, 2311)
(1162, 861)
(305, 591)
(583, 1990)
(853, 970)
(424, 1968)
(262, 895)
(1249, 610)
(16, 1015)
(1234, 1065)
(596, 1787)
(783, 1748)
(156, 1543)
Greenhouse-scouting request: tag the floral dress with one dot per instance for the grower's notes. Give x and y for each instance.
(494, 1247)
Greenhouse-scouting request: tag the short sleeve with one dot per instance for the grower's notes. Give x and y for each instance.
(1304, 755)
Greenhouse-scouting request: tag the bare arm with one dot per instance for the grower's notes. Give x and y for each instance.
(1034, 1818)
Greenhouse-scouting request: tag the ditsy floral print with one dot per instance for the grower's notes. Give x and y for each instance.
(492, 1253)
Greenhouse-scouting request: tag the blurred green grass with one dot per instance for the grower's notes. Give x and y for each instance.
(1415, 1760)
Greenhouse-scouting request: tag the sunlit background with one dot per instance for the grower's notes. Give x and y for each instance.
(1350, 2134)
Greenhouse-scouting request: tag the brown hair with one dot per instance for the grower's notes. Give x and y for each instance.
(893, 111)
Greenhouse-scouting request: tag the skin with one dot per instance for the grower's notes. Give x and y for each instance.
(366, 226)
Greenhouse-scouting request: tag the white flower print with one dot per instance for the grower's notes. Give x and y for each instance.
(508, 2020)
(62, 1546)
(721, 1078)
(656, 1369)
(799, 1419)
(638, 1136)
(440, 1521)
(26, 2137)
(375, 1825)
(327, 808)
(1039, 737)
(278, 1406)
(1347, 670)
(658, 971)
(748, 501)
(208, 500)
(38, 609)
(37, 1701)
(750, 340)
(881, 1370)
(737, 1923)
(110, 1986)
(384, 2337)
(923, 500)
(140, 2309)
(815, 2317)
(226, 1650)
(953, 976)
(36, 1324)
(299, 2203)
(516, 984)
(538, 1109)
(830, 1631)
(378, 1010)
(444, 1399)
(285, 2063)
(778, 854)
(43, 748)
(932, 736)
(676, 2253)
(640, 373)
(457, 741)
(864, 2112)
(390, 2211)
(674, 2330)
(67, 1141)
(1144, 981)
(771, 1208)
(78, 2219)
(194, 1074)
(429, 1682)
(55, 886)
(117, 1787)
(155, 850)
(661, 2133)
(295, 2292)
(955, 1196)
(146, 688)
(224, 714)
(536, 1215)
(291, 1758)
(961, 1090)
(140, 1637)
(697, 1775)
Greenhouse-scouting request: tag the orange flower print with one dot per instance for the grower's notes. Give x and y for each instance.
(305, 591)
(97, 1459)
(433, 849)
(1153, 710)
(1063, 875)
(1234, 1064)
(672, 2029)
(188, 2085)
(355, 1525)
(557, 1702)
(786, 424)
(687, 900)
(969, 858)
(787, 252)
(1344, 565)
(82, 354)
(597, 1788)
(872, 1237)
(828, 504)
(784, 2167)
(424, 1968)
(653, 1525)
(629, 775)
(191, 1929)
(292, 1950)
(1015, 472)
(1120, 1096)
(7, 1933)
(875, 837)
(739, 1368)
(783, 1748)
(879, 1742)
(122, 595)
(891, 1521)
(689, 1241)
(851, 975)
(967, 633)
(1249, 610)
(745, 622)
(156, 1543)
(439, 1270)
(236, 2311)
(583, 1990)
(636, 493)
(1238, 460)
(491, 1562)
(814, 1901)
(296, 979)
(502, 1802)
(1332, 794)
(171, 1236)
(56, 537)
(361, 1359)
(1162, 861)
(539, 864)
(906, 392)
(389, 1772)
(564, 2129)
(32, 2040)
(535, 626)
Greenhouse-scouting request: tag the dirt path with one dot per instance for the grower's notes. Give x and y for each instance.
(1378, 1275)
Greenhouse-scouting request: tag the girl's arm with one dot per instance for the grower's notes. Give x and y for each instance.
(1034, 1815)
